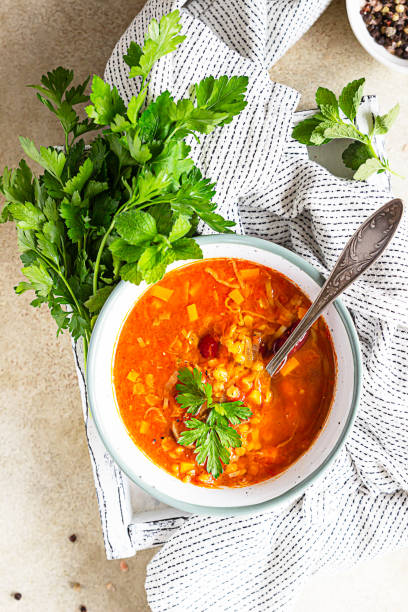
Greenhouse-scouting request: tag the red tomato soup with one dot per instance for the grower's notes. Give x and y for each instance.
(226, 317)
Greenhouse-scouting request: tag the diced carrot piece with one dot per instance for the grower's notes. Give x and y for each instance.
(133, 376)
(138, 389)
(192, 312)
(141, 342)
(249, 273)
(290, 365)
(144, 427)
(161, 292)
(236, 296)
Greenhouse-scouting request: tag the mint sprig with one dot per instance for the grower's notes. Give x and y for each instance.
(213, 436)
(336, 119)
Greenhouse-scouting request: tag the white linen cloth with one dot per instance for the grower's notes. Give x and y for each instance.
(268, 185)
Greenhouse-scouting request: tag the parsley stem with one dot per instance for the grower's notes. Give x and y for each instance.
(99, 255)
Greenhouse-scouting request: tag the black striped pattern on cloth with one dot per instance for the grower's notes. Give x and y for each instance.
(267, 184)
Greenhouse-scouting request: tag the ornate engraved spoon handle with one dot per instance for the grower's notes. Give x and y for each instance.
(363, 248)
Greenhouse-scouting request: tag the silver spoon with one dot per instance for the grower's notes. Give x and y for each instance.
(360, 252)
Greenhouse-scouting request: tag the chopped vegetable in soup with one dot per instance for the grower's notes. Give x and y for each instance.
(222, 320)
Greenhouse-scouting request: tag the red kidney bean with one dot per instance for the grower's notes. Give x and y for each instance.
(270, 351)
(209, 346)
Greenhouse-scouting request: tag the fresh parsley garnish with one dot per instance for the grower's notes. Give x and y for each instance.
(214, 435)
(126, 206)
(336, 120)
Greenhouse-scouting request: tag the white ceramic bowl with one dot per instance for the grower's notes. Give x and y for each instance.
(367, 41)
(226, 501)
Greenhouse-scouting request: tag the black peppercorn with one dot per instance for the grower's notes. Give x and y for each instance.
(17, 596)
(387, 23)
(72, 538)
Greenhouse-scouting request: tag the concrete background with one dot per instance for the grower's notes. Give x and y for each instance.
(45, 475)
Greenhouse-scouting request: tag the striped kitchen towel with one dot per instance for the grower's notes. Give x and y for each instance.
(268, 185)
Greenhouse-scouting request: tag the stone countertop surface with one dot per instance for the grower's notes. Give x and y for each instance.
(46, 482)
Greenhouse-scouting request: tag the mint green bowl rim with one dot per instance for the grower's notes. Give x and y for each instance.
(297, 490)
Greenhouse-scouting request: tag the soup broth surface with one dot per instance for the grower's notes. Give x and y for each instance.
(245, 308)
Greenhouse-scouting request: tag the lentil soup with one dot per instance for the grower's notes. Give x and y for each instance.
(226, 317)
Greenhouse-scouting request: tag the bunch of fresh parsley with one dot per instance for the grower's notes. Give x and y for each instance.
(214, 435)
(125, 206)
(336, 120)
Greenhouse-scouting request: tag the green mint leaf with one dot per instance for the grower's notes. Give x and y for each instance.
(162, 38)
(152, 263)
(129, 272)
(317, 137)
(223, 95)
(136, 227)
(384, 122)
(342, 130)
(180, 228)
(327, 102)
(106, 102)
(125, 251)
(96, 301)
(303, 131)
(186, 248)
(163, 216)
(350, 98)
(77, 182)
(356, 154)
(371, 166)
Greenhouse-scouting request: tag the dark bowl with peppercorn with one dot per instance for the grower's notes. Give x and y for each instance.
(381, 27)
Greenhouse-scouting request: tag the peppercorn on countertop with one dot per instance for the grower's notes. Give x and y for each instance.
(47, 492)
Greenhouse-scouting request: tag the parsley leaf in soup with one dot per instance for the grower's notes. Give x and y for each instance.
(211, 431)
